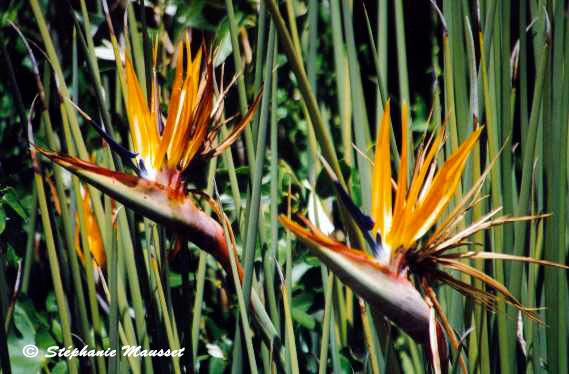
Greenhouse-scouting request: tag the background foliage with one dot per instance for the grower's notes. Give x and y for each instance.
(504, 64)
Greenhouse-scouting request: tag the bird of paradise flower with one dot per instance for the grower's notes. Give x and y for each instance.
(164, 149)
(395, 234)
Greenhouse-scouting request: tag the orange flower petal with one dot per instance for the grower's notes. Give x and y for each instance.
(440, 192)
(172, 109)
(381, 178)
(400, 210)
(137, 111)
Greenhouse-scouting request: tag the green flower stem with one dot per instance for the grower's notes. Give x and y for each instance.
(259, 55)
(290, 339)
(254, 206)
(504, 91)
(382, 46)
(124, 308)
(503, 339)
(241, 299)
(293, 27)
(137, 48)
(271, 254)
(536, 251)
(200, 275)
(29, 257)
(233, 31)
(342, 82)
(529, 155)
(359, 114)
(54, 264)
(168, 324)
(326, 322)
(112, 261)
(479, 352)
(556, 120)
(403, 73)
(198, 303)
(134, 285)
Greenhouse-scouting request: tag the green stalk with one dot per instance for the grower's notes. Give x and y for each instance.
(381, 99)
(254, 204)
(291, 344)
(455, 301)
(504, 90)
(200, 275)
(373, 348)
(293, 27)
(488, 27)
(524, 59)
(360, 119)
(249, 145)
(401, 52)
(455, 22)
(260, 48)
(271, 255)
(449, 95)
(173, 342)
(403, 74)
(112, 261)
(233, 183)
(342, 82)
(124, 308)
(233, 31)
(479, 352)
(326, 322)
(241, 299)
(313, 10)
(340, 307)
(503, 333)
(134, 285)
(286, 292)
(29, 256)
(137, 48)
(382, 45)
(311, 66)
(54, 264)
(555, 168)
(334, 342)
(529, 154)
